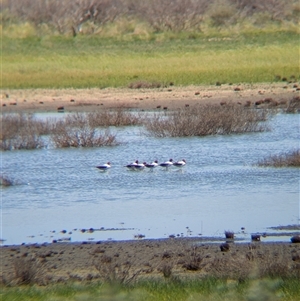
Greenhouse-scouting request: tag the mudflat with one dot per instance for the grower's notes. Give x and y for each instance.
(182, 257)
(43, 100)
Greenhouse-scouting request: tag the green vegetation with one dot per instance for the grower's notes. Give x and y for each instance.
(85, 62)
(102, 44)
(175, 290)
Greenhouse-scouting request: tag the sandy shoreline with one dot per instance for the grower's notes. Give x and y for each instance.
(47, 100)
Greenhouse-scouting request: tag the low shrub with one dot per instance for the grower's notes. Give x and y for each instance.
(207, 120)
(28, 271)
(223, 267)
(289, 159)
(114, 272)
(293, 105)
(20, 131)
(222, 13)
(193, 260)
(76, 131)
(166, 270)
(23, 131)
(113, 117)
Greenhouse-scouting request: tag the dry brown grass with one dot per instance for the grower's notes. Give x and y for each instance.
(193, 259)
(112, 270)
(20, 131)
(28, 271)
(133, 261)
(76, 131)
(253, 264)
(23, 131)
(113, 117)
(288, 159)
(293, 106)
(207, 120)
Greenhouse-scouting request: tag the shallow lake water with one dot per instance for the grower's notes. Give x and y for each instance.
(219, 188)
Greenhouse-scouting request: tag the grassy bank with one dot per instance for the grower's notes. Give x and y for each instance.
(206, 289)
(89, 61)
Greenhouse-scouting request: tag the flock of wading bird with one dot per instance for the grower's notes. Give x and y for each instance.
(136, 166)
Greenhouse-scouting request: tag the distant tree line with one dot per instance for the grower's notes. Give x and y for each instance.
(65, 16)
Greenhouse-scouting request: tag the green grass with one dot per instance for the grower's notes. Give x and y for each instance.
(85, 62)
(206, 289)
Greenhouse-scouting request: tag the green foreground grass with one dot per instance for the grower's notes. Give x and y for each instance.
(86, 62)
(206, 289)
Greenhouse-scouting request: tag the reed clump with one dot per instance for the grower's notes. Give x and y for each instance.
(76, 131)
(24, 131)
(288, 159)
(207, 120)
(293, 105)
(113, 117)
(21, 131)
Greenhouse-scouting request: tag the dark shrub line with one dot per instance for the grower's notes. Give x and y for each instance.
(23, 131)
(207, 120)
(68, 17)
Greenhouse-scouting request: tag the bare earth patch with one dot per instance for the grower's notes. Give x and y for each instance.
(43, 100)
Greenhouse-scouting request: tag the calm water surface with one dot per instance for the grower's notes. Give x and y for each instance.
(219, 188)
